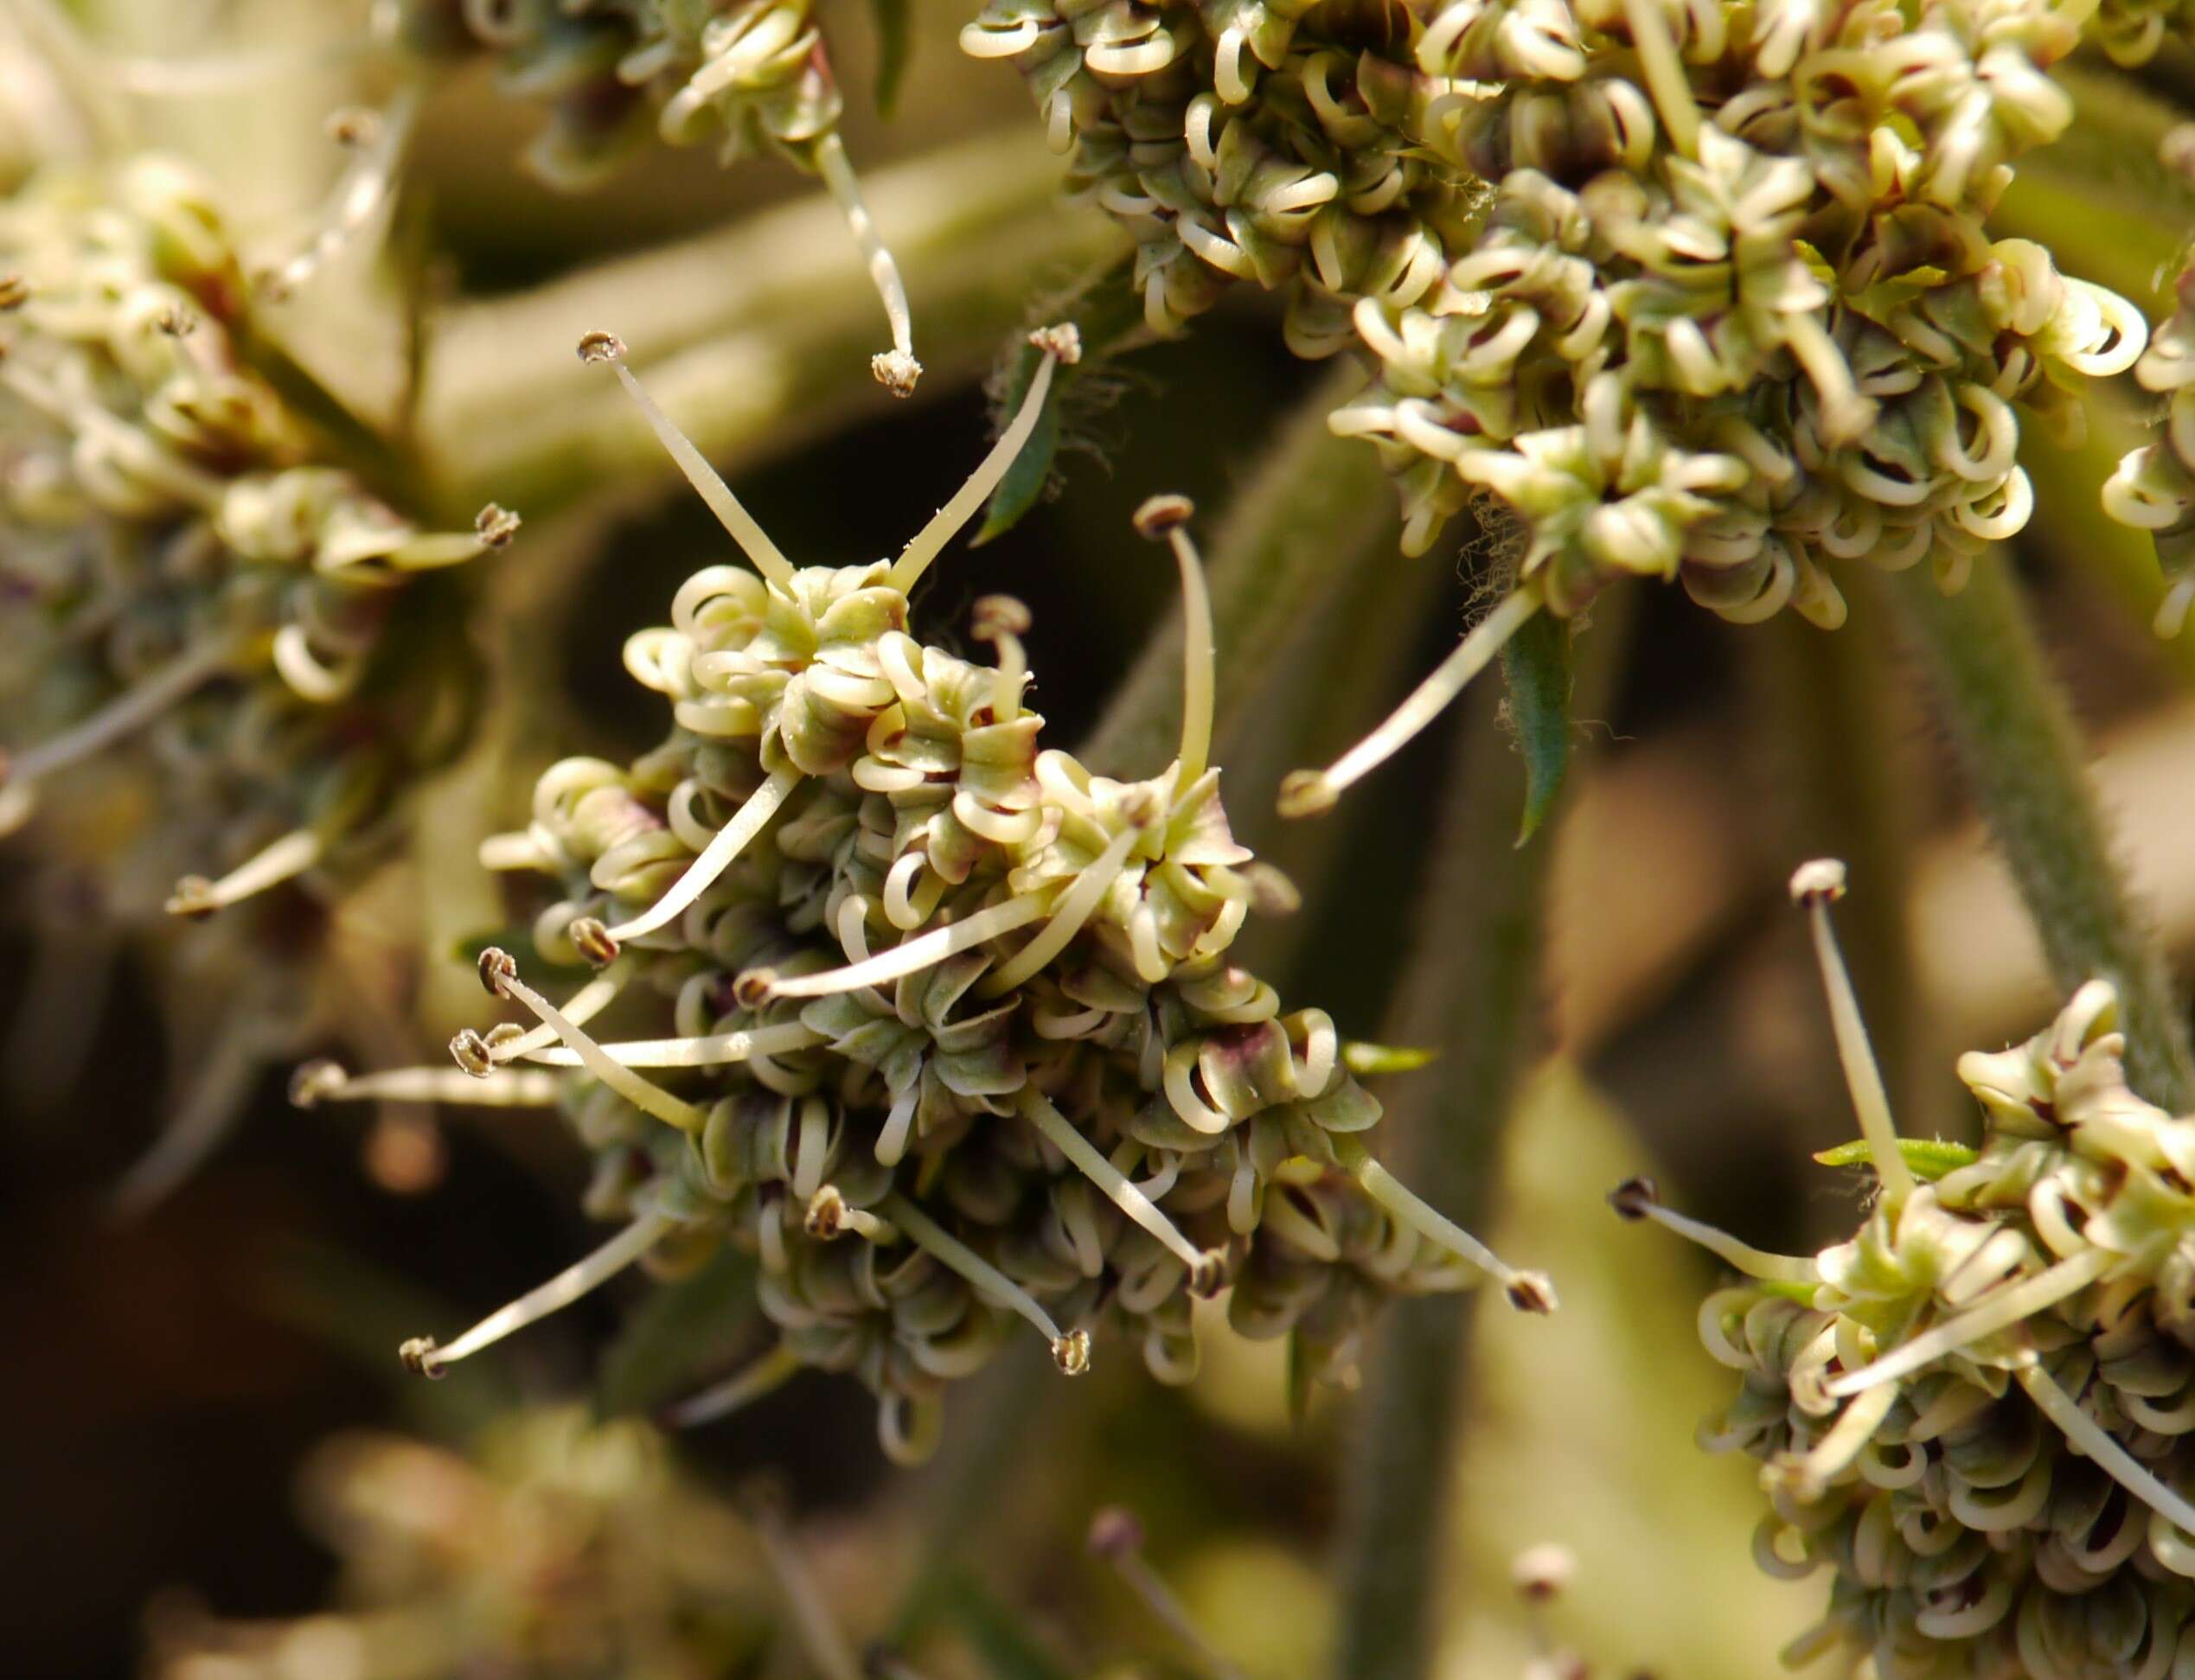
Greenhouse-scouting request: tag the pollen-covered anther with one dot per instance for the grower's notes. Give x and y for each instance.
(1115, 1532)
(1634, 1197)
(315, 1082)
(1307, 794)
(896, 371)
(1161, 514)
(593, 941)
(470, 1051)
(496, 525)
(194, 897)
(1209, 1275)
(754, 987)
(1531, 1292)
(496, 966)
(418, 1357)
(826, 1220)
(1063, 342)
(602, 347)
(1821, 882)
(176, 322)
(1070, 1352)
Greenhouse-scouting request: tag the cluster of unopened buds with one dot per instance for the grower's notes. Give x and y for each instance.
(751, 77)
(1977, 1413)
(957, 1035)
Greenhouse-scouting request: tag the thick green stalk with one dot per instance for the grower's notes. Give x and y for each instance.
(1470, 989)
(756, 339)
(1318, 509)
(2027, 766)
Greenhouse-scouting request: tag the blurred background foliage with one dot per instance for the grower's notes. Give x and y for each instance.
(171, 1375)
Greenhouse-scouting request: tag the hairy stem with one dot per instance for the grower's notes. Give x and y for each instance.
(2026, 764)
(1316, 510)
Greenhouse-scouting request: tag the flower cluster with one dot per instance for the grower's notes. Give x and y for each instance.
(1259, 140)
(749, 76)
(960, 1037)
(557, 1548)
(1977, 1412)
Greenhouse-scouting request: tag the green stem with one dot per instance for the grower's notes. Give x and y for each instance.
(748, 335)
(1317, 510)
(1471, 989)
(2027, 766)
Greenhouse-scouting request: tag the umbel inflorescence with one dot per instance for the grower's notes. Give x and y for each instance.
(751, 77)
(1977, 1412)
(957, 1035)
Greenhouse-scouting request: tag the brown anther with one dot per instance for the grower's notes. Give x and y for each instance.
(1533, 1292)
(1063, 342)
(1115, 1532)
(313, 1083)
(15, 291)
(1540, 1573)
(496, 525)
(1161, 513)
(469, 1051)
(993, 616)
(896, 371)
(1071, 1353)
(593, 941)
(418, 1356)
(504, 1033)
(1821, 882)
(826, 1220)
(1307, 794)
(496, 965)
(176, 322)
(1634, 1197)
(753, 988)
(1209, 1275)
(193, 897)
(602, 347)
(353, 126)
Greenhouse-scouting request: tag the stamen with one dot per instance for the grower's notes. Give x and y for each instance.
(1075, 907)
(764, 1377)
(1116, 1537)
(582, 1006)
(316, 1083)
(910, 957)
(1168, 516)
(2088, 1436)
(829, 1218)
(1001, 621)
(600, 943)
(709, 1051)
(896, 370)
(1206, 1268)
(292, 855)
(1071, 1351)
(1640, 1198)
(421, 1354)
(1059, 344)
(499, 973)
(1808, 1477)
(1309, 793)
(377, 140)
(219, 1087)
(123, 715)
(2000, 1310)
(1815, 886)
(754, 542)
(1529, 1292)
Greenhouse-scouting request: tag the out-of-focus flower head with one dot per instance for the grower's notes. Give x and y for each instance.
(1976, 1413)
(956, 1037)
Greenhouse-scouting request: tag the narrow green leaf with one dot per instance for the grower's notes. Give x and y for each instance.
(1368, 1059)
(1929, 1157)
(893, 49)
(1536, 664)
(682, 1337)
(1107, 311)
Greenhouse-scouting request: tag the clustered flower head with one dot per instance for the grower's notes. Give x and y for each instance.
(1977, 1412)
(555, 1547)
(1261, 140)
(753, 77)
(186, 570)
(957, 1038)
